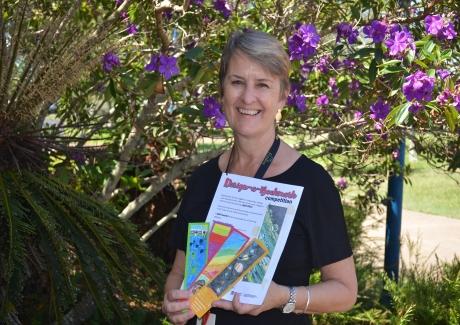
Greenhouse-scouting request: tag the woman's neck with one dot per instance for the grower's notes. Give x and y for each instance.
(248, 154)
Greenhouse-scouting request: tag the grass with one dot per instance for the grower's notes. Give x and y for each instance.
(432, 191)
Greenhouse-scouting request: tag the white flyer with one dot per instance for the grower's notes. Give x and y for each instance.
(260, 209)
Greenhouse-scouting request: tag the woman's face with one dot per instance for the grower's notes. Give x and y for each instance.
(251, 97)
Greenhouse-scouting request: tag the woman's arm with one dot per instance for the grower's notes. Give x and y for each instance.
(176, 303)
(336, 292)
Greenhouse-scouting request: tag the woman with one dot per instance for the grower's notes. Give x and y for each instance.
(254, 81)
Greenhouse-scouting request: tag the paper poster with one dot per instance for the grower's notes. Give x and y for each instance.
(260, 209)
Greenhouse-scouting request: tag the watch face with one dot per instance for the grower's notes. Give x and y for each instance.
(289, 307)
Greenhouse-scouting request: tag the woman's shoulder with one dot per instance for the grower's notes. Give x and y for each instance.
(206, 171)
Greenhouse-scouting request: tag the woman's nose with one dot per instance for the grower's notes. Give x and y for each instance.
(248, 96)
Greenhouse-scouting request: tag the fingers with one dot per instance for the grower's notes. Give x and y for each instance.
(176, 306)
(236, 306)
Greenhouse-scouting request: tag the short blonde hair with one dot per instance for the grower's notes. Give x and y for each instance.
(261, 47)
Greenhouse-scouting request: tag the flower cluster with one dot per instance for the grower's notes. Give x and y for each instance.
(376, 30)
(223, 7)
(400, 41)
(347, 32)
(303, 44)
(166, 65)
(379, 110)
(296, 98)
(110, 61)
(418, 86)
(132, 29)
(447, 97)
(332, 83)
(213, 109)
(440, 27)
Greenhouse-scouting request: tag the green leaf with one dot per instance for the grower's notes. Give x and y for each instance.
(364, 52)
(446, 54)
(372, 71)
(429, 46)
(398, 115)
(431, 72)
(390, 62)
(451, 117)
(421, 63)
(194, 53)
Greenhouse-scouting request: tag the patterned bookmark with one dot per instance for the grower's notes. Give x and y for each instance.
(197, 251)
(202, 300)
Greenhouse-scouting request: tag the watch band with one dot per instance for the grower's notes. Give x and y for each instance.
(290, 305)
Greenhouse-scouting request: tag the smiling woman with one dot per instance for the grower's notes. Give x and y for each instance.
(254, 84)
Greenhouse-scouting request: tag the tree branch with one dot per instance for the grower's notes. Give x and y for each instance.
(177, 170)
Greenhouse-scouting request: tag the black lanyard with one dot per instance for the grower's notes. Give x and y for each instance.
(265, 163)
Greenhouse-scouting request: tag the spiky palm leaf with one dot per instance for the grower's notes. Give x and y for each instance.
(53, 238)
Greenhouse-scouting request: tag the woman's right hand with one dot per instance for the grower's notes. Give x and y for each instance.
(176, 305)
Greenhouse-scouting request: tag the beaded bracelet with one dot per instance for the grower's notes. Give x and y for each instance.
(308, 300)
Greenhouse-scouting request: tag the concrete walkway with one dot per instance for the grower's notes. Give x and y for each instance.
(424, 238)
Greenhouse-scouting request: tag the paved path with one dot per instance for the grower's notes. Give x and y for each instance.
(424, 237)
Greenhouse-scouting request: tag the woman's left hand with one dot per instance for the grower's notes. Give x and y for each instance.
(273, 299)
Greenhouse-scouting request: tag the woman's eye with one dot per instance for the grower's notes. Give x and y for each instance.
(237, 82)
(262, 85)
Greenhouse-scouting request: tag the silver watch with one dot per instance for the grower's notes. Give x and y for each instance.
(290, 305)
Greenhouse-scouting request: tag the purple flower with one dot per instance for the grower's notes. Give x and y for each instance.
(322, 100)
(132, 29)
(123, 15)
(415, 107)
(349, 63)
(418, 86)
(443, 73)
(301, 103)
(399, 42)
(118, 2)
(440, 27)
(346, 31)
(395, 154)
(378, 126)
(342, 183)
(154, 63)
(219, 120)
(110, 61)
(168, 66)
(303, 44)
(379, 110)
(323, 64)
(457, 102)
(354, 85)
(296, 99)
(376, 30)
(198, 2)
(223, 7)
(444, 97)
(210, 107)
(213, 109)
(357, 116)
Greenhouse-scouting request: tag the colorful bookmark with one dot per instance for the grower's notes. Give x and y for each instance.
(234, 243)
(197, 253)
(219, 233)
(202, 300)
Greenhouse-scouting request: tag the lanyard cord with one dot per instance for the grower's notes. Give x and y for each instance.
(265, 163)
